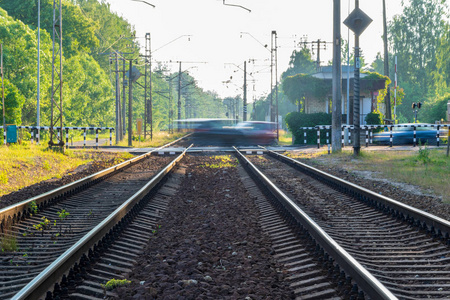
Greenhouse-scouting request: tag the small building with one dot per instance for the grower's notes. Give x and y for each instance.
(316, 91)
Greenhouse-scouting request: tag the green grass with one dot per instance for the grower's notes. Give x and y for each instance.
(24, 165)
(426, 168)
(222, 161)
(284, 138)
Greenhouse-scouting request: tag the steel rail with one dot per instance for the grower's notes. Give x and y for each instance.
(44, 281)
(16, 211)
(436, 224)
(365, 280)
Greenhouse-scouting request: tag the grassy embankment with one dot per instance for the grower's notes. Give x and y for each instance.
(427, 168)
(24, 165)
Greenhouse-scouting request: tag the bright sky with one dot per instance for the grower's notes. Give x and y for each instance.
(216, 46)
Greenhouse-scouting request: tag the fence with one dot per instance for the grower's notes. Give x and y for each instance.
(368, 132)
(35, 133)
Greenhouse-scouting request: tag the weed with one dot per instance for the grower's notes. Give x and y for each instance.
(424, 154)
(8, 243)
(3, 177)
(33, 207)
(46, 165)
(155, 231)
(63, 214)
(113, 283)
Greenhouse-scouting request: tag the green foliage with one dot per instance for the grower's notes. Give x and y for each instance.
(420, 38)
(300, 63)
(88, 93)
(373, 118)
(295, 121)
(434, 110)
(78, 30)
(114, 283)
(424, 154)
(301, 85)
(8, 243)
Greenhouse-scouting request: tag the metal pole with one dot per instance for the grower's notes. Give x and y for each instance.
(271, 80)
(276, 86)
(336, 80)
(130, 109)
(3, 95)
(124, 101)
(150, 105)
(117, 100)
(38, 113)
(244, 118)
(387, 99)
(356, 120)
(179, 97)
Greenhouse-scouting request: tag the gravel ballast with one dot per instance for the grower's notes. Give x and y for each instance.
(209, 245)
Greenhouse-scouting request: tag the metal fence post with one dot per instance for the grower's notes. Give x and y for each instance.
(390, 137)
(96, 138)
(437, 136)
(84, 138)
(67, 138)
(318, 138)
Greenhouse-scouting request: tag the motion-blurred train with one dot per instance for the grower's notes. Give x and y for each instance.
(226, 132)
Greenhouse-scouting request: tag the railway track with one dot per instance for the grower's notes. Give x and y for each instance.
(318, 267)
(404, 248)
(35, 232)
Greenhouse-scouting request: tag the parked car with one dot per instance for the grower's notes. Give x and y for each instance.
(256, 132)
(405, 135)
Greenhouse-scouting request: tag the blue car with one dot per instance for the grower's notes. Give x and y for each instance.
(405, 135)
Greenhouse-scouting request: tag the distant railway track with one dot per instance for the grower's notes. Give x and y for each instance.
(333, 253)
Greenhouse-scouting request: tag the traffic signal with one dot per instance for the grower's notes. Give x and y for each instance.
(419, 105)
(413, 105)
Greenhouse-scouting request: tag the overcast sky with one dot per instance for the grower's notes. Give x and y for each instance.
(217, 46)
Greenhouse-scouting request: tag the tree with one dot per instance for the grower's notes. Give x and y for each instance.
(441, 76)
(414, 36)
(300, 63)
(20, 68)
(78, 30)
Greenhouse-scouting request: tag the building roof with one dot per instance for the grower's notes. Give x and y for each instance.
(327, 72)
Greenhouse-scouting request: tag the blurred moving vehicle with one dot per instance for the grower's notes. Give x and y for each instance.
(405, 135)
(256, 132)
(213, 131)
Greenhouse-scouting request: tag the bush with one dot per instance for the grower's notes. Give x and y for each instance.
(296, 120)
(373, 118)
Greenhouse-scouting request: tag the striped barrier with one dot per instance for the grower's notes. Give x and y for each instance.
(369, 132)
(35, 130)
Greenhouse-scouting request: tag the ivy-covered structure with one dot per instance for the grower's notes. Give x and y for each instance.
(313, 93)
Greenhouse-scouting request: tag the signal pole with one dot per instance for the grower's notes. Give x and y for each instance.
(130, 107)
(244, 117)
(337, 79)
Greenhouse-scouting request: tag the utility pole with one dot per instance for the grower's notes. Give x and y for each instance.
(356, 96)
(337, 79)
(148, 94)
(357, 21)
(387, 99)
(179, 96)
(3, 93)
(130, 107)
(244, 117)
(124, 99)
(117, 101)
(57, 87)
(38, 112)
(321, 45)
(276, 83)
